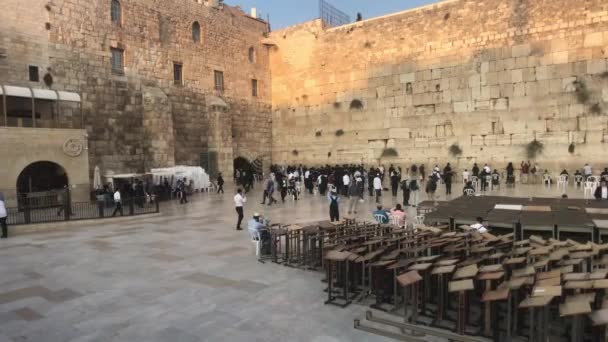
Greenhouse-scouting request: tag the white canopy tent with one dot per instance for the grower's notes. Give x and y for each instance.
(194, 174)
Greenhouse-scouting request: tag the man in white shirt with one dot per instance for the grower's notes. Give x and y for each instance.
(479, 226)
(487, 169)
(345, 183)
(378, 187)
(3, 217)
(465, 175)
(239, 202)
(117, 203)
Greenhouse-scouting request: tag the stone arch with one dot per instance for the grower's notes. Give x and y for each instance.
(42, 176)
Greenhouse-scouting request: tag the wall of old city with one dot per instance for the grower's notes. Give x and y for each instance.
(489, 76)
(140, 119)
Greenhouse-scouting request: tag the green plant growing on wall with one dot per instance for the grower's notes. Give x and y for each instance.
(595, 109)
(571, 148)
(339, 132)
(295, 152)
(534, 148)
(582, 92)
(318, 133)
(356, 104)
(455, 150)
(389, 153)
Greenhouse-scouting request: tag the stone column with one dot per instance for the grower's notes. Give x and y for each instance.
(158, 141)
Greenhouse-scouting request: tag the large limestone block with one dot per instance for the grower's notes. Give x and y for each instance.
(594, 39)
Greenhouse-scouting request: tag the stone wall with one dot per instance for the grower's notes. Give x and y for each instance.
(71, 40)
(490, 76)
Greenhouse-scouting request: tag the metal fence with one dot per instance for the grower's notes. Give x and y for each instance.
(26, 214)
(332, 16)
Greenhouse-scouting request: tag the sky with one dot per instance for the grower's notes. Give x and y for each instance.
(285, 13)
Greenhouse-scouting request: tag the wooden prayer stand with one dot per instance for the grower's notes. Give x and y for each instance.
(381, 287)
(409, 281)
(424, 269)
(461, 286)
(441, 272)
(575, 309)
(397, 267)
(488, 274)
(514, 285)
(491, 320)
(337, 258)
(537, 330)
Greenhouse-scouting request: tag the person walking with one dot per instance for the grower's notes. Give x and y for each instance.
(270, 191)
(334, 208)
(431, 187)
(220, 183)
(354, 192)
(239, 202)
(378, 187)
(183, 192)
(3, 217)
(117, 203)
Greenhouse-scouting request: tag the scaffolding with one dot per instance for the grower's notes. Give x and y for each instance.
(332, 16)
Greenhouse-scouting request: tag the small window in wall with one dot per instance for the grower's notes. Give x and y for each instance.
(254, 88)
(251, 55)
(116, 13)
(219, 80)
(177, 73)
(118, 56)
(34, 74)
(196, 32)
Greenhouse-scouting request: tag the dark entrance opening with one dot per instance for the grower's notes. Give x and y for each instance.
(40, 183)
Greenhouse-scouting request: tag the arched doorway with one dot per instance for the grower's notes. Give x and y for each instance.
(42, 176)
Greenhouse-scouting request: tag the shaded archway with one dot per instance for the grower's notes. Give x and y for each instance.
(41, 176)
(242, 163)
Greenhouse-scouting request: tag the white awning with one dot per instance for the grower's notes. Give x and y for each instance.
(43, 94)
(67, 96)
(17, 91)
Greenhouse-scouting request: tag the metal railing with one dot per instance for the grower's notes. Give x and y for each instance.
(26, 214)
(332, 16)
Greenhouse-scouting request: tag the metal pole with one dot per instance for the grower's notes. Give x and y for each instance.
(4, 105)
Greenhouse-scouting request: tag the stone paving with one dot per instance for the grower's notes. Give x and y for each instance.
(184, 275)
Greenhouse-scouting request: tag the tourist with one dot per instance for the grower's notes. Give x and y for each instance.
(525, 169)
(220, 183)
(378, 187)
(395, 180)
(510, 175)
(380, 215)
(399, 214)
(475, 170)
(465, 176)
(405, 187)
(601, 192)
(3, 217)
(587, 171)
(117, 203)
(479, 227)
(354, 192)
(468, 189)
(334, 208)
(414, 191)
(259, 226)
(239, 202)
(431, 187)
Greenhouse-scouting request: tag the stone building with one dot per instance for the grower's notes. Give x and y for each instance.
(160, 83)
(488, 76)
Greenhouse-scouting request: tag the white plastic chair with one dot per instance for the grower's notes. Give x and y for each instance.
(474, 181)
(589, 189)
(547, 180)
(578, 181)
(396, 221)
(562, 182)
(469, 192)
(255, 238)
(379, 218)
(420, 219)
(488, 182)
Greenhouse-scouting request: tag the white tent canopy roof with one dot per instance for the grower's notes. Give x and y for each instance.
(43, 94)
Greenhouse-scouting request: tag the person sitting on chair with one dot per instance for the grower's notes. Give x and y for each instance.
(399, 214)
(468, 190)
(601, 192)
(578, 175)
(479, 226)
(604, 174)
(380, 215)
(564, 173)
(259, 225)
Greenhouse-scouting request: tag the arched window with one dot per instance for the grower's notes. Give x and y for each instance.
(196, 32)
(116, 13)
(251, 55)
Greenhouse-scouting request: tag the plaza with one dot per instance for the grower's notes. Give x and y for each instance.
(182, 275)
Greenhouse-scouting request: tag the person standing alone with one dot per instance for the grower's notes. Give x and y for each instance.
(220, 183)
(239, 202)
(378, 187)
(3, 217)
(117, 203)
(334, 209)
